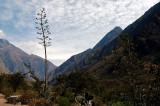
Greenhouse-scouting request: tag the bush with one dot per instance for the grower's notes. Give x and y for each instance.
(16, 80)
(4, 85)
(32, 102)
(38, 102)
(19, 92)
(98, 102)
(121, 104)
(63, 101)
(28, 96)
(12, 82)
(70, 96)
(7, 91)
(118, 104)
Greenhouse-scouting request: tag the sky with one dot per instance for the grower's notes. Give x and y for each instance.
(75, 25)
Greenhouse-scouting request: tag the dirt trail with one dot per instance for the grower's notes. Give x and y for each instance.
(3, 101)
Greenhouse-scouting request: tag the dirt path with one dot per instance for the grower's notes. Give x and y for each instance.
(3, 101)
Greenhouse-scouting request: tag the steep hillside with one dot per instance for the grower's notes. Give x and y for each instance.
(82, 60)
(146, 34)
(146, 31)
(108, 37)
(69, 65)
(13, 59)
(3, 69)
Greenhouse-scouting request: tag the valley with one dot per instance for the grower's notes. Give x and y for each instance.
(122, 69)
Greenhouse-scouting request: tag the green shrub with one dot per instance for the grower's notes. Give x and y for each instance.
(7, 91)
(63, 101)
(19, 92)
(4, 85)
(121, 104)
(70, 96)
(16, 80)
(98, 102)
(28, 96)
(38, 102)
(32, 102)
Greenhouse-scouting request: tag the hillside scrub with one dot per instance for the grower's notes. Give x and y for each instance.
(10, 83)
(132, 81)
(140, 79)
(16, 84)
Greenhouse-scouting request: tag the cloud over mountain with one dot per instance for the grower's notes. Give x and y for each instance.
(75, 24)
(2, 35)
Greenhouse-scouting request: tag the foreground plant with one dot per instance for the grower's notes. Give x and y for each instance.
(43, 28)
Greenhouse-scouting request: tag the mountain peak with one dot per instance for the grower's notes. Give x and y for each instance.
(12, 59)
(118, 28)
(4, 41)
(109, 36)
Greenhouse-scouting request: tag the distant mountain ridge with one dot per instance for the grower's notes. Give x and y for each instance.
(13, 58)
(146, 34)
(77, 62)
(69, 64)
(108, 37)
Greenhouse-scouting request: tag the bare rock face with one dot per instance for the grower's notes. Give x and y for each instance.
(12, 58)
(3, 68)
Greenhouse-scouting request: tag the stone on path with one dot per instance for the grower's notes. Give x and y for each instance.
(3, 101)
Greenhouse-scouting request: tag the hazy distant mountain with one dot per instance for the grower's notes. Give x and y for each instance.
(81, 60)
(3, 68)
(13, 58)
(69, 65)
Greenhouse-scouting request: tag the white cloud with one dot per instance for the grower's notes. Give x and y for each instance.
(56, 54)
(2, 35)
(76, 25)
(6, 15)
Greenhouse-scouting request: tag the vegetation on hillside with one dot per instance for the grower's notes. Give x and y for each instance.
(119, 74)
(133, 82)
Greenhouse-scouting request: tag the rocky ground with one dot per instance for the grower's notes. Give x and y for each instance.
(3, 101)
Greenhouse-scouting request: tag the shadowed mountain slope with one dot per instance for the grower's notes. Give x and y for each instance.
(146, 31)
(146, 34)
(81, 60)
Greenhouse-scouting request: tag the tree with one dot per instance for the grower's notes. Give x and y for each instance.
(141, 80)
(151, 87)
(129, 61)
(126, 62)
(43, 29)
(38, 83)
(16, 80)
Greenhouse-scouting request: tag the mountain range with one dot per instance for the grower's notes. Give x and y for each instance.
(82, 61)
(145, 32)
(12, 59)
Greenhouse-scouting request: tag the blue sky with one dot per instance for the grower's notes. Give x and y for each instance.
(75, 25)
